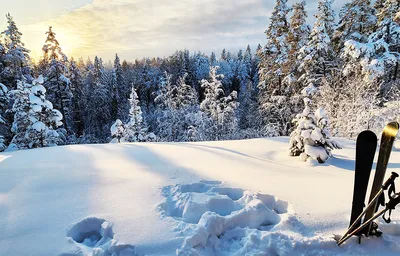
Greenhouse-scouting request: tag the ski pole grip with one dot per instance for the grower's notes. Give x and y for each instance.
(390, 180)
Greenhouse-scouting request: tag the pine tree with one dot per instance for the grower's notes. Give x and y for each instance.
(177, 110)
(54, 65)
(213, 59)
(218, 107)
(311, 138)
(3, 102)
(297, 38)
(357, 21)
(2, 60)
(98, 116)
(119, 91)
(134, 128)
(16, 57)
(223, 55)
(318, 57)
(378, 58)
(4, 127)
(78, 102)
(35, 120)
(275, 54)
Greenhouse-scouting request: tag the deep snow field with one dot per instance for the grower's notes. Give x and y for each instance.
(213, 198)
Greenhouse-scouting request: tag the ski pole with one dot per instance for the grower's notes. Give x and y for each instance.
(385, 186)
(389, 206)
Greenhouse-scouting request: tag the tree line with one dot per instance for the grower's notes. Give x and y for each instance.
(349, 67)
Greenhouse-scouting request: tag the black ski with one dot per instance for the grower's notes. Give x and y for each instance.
(388, 136)
(365, 152)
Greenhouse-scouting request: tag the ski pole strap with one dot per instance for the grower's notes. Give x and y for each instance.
(391, 205)
(389, 184)
(392, 191)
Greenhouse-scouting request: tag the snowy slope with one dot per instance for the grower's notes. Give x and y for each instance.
(215, 198)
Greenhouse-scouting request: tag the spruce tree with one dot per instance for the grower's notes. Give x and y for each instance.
(78, 99)
(318, 56)
(377, 59)
(297, 38)
(119, 91)
(35, 120)
(276, 51)
(134, 127)
(311, 138)
(4, 99)
(4, 126)
(16, 57)
(218, 107)
(54, 66)
(357, 21)
(98, 112)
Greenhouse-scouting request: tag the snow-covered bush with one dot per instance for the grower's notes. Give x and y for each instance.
(311, 138)
(117, 131)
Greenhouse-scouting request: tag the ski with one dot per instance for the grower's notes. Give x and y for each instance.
(365, 153)
(388, 136)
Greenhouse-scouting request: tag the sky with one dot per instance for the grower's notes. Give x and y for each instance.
(143, 28)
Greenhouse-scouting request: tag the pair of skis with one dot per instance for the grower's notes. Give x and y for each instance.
(365, 152)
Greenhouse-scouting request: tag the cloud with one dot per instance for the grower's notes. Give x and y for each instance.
(138, 28)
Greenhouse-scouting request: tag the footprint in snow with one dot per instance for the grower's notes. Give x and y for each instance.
(94, 237)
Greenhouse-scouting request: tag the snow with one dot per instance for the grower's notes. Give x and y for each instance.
(39, 126)
(207, 198)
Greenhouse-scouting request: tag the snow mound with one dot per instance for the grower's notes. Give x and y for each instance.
(217, 220)
(221, 218)
(95, 237)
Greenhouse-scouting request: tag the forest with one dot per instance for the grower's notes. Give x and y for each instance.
(347, 64)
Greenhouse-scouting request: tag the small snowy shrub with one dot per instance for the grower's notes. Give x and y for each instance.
(311, 137)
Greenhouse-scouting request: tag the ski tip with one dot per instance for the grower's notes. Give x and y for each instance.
(392, 129)
(367, 134)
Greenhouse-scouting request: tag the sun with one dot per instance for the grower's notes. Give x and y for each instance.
(70, 43)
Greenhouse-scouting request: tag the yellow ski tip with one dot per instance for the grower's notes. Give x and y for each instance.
(392, 129)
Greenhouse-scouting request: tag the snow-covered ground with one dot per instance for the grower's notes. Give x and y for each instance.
(216, 198)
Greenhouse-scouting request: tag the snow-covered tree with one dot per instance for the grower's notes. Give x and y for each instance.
(177, 111)
(78, 102)
(119, 91)
(4, 99)
(318, 57)
(217, 106)
(357, 21)
(35, 120)
(378, 59)
(311, 138)
(16, 56)
(350, 103)
(54, 66)
(4, 126)
(98, 96)
(276, 51)
(297, 38)
(133, 130)
(118, 132)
